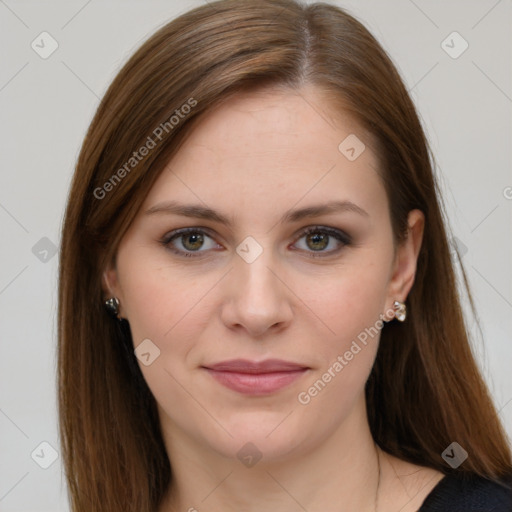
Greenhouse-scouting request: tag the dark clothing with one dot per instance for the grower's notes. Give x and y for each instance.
(468, 493)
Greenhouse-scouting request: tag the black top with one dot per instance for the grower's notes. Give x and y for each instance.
(468, 493)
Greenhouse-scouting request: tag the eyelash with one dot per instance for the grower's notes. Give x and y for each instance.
(342, 237)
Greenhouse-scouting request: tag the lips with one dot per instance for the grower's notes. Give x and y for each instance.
(256, 378)
(246, 366)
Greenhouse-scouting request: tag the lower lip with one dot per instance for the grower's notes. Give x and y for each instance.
(256, 383)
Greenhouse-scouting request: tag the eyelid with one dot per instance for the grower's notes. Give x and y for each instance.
(341, 236)
(176, 233)
(335, 232)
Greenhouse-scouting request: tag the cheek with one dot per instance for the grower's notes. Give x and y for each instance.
(351, 309)
(350, 301)
(163, 306)
(169, 308)
(157, 299)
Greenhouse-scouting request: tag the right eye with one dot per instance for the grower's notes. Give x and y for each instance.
(191, 241)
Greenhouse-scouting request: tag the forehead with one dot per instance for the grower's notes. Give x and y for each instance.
(275, 120)
(271, 145)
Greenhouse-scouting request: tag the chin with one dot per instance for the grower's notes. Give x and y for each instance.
(263, 436)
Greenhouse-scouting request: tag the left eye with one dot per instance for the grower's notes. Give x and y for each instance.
(317, 239)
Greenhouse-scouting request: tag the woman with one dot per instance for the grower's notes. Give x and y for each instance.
(255, 206)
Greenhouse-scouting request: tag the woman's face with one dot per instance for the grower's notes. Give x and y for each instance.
(248, 283)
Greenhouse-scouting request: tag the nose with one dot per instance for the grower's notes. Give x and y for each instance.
(257, 296)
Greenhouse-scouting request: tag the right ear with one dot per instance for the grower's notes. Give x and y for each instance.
(111, 287)
(109, 282)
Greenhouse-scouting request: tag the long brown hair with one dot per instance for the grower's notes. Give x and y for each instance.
(425, 390)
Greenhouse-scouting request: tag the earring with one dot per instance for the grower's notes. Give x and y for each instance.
(112, 306)
(400, 310)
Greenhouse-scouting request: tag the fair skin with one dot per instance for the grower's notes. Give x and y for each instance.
(251, 160)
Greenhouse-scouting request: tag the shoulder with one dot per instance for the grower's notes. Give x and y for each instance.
(461, 492)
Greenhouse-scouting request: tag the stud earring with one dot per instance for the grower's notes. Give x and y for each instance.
(400, 310)
(112, 306)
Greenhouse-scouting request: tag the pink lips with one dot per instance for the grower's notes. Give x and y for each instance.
(256, 378)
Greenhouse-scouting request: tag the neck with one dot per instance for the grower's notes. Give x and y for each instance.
(342, 472)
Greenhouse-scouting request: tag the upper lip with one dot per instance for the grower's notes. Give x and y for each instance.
(247, 366)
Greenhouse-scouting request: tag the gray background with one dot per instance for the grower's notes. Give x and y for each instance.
(47, 104)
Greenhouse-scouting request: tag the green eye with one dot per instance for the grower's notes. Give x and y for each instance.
(194, 241)
(319, 238)
(190, 239)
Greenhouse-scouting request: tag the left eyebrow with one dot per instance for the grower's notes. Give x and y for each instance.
(323, 209)
(203, 212)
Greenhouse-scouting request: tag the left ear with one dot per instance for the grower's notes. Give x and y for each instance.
(404, 267)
